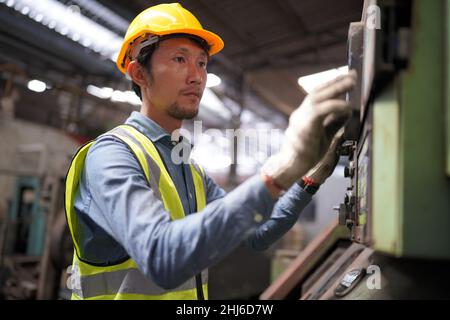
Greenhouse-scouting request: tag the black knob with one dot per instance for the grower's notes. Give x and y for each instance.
(347, 172)
(345, 151)
(352, 200)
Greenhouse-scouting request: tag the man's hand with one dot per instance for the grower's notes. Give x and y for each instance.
(325, 167)
(311, 128)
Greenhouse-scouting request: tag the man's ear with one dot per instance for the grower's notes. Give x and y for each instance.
(137, 73)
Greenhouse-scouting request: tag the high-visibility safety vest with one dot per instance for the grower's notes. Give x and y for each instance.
(124, 280)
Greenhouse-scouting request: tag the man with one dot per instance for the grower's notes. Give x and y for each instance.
(147, 228)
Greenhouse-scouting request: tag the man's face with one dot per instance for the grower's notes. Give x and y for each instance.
(178, 77)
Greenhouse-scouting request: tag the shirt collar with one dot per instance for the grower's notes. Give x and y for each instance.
(152, 130)
(147, 126)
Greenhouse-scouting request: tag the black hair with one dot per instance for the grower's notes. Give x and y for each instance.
(144, 56)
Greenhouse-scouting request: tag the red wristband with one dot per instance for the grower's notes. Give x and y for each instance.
(309, 181)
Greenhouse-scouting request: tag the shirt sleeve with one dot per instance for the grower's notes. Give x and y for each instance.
(169, 252)
(285, 214)
(213, 191)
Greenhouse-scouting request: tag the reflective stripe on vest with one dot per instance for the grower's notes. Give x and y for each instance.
(125, 280)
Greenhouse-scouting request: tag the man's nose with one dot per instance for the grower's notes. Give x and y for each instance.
(196, 74)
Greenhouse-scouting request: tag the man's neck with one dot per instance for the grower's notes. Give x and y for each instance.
(164, 120)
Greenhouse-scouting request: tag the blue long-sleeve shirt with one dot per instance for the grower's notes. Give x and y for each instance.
(120, 216)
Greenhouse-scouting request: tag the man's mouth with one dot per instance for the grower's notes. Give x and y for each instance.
(192, 94)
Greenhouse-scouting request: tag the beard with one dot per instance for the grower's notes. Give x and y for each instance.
(178, 112)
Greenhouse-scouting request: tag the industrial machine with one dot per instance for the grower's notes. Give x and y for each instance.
(35, 244)
(391, 239)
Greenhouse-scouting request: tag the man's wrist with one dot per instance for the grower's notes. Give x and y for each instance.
(274, 188)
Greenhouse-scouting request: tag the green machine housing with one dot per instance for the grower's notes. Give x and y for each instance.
(398, 138)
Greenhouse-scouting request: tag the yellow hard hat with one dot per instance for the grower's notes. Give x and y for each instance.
(161, 20)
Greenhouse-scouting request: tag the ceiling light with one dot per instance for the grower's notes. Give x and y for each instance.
(212, 80)
(39, 17)
(114, 95)
(52, 24)
(37, 86)
(70, 22)
(103, 93)
(211, 102)
(25, 10)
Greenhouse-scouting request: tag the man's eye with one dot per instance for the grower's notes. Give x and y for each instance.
(202, 64)
(179, 59)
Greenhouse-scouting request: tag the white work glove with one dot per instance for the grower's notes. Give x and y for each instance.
(311, 129)
(325, 167)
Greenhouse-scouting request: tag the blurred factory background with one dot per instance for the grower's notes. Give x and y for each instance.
(59, 88)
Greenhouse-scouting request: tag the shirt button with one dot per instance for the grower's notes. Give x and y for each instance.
(257, 217)
(174, 143)
(190, 195)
